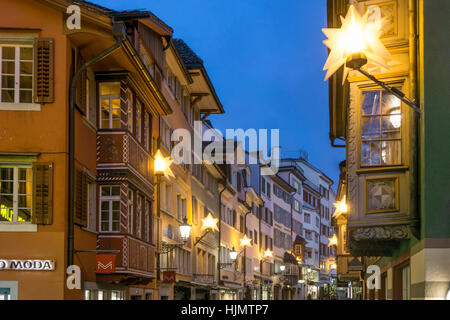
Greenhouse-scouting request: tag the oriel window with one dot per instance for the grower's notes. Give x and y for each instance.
(110, 105)
(380, 133)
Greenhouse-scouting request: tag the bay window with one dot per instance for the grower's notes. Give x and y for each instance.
(110, 105)
(110, 208)
(130, 97)
(15, 193)
(381, 123)
(138, 120)
(16, 69)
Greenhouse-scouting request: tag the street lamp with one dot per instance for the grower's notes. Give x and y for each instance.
(233, 254)
(356, 44)
(282, 267)
(185, 230)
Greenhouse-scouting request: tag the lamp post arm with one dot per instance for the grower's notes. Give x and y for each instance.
(394, 91)
(200, 239)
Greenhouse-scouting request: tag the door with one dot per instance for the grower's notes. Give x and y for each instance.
(5, 294)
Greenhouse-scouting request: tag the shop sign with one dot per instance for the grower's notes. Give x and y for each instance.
(169, 276)
(27, 265)
(105, 263)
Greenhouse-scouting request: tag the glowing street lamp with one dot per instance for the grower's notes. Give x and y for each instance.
(354, 45)
(282, 267)
(185, 230)
(233, 254)
(268, 254)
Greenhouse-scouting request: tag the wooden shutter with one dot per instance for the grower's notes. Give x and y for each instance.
(81, 87)
(43, 70)
(42, 193)
(81, 197)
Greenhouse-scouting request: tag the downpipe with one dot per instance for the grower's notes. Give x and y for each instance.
(117, 29)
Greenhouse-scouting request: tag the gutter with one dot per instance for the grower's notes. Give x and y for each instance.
(118, 33)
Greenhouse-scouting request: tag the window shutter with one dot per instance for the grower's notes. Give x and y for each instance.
(81, 87)
(43, 70)
(81, 198)
(42, 193)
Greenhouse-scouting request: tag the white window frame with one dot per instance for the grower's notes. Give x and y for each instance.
(110, 98)
(16, 72)
(16, 194)
(109, 199)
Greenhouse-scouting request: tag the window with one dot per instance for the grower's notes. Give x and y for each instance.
(147, 130)
(148, 222)
(181, 207)
(139, 216)
(15, 194)
(138, 120)
(110, 105)
(130, 210)
(263, 185)
(130, 110)
(194, 210)
(381, 122)
(16, 70)
(110, 208)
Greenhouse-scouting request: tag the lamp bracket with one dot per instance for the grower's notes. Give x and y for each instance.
(394, 91)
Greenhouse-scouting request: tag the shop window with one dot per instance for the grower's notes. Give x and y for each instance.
(380, 133)
(110, 105)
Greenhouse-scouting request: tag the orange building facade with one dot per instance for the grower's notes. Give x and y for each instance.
(118, 105)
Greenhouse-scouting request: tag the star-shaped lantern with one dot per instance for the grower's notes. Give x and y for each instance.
(341, 207)
(358, 39)
(209, 223)
(332, 241)
(162, 165)
(246, 242)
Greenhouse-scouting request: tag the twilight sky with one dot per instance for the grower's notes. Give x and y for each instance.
(265, 60)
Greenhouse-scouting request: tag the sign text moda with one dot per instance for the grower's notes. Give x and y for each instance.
(27, 265)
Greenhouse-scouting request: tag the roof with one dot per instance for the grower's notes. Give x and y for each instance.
(123, 14)
(190, 58)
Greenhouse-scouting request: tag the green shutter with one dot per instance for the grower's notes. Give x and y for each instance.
(42, 193)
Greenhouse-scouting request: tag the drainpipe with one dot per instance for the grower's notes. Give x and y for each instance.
(117, 30)
(220, 229)
(245, 252)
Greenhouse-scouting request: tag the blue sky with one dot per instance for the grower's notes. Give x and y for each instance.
(265, 59)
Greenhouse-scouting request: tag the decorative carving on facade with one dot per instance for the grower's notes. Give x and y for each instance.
(396, 232)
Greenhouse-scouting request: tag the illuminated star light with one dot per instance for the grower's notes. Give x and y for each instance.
(341, 207)
(356, 35)
(332, 241)
(162, 165)
(245, 241)
(210, 223)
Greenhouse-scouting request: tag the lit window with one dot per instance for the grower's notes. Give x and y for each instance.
(381, 122)
(110, 105)
(130, 110)
(138, 120)
(15, 194)
(110, 208)
(16, 70)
